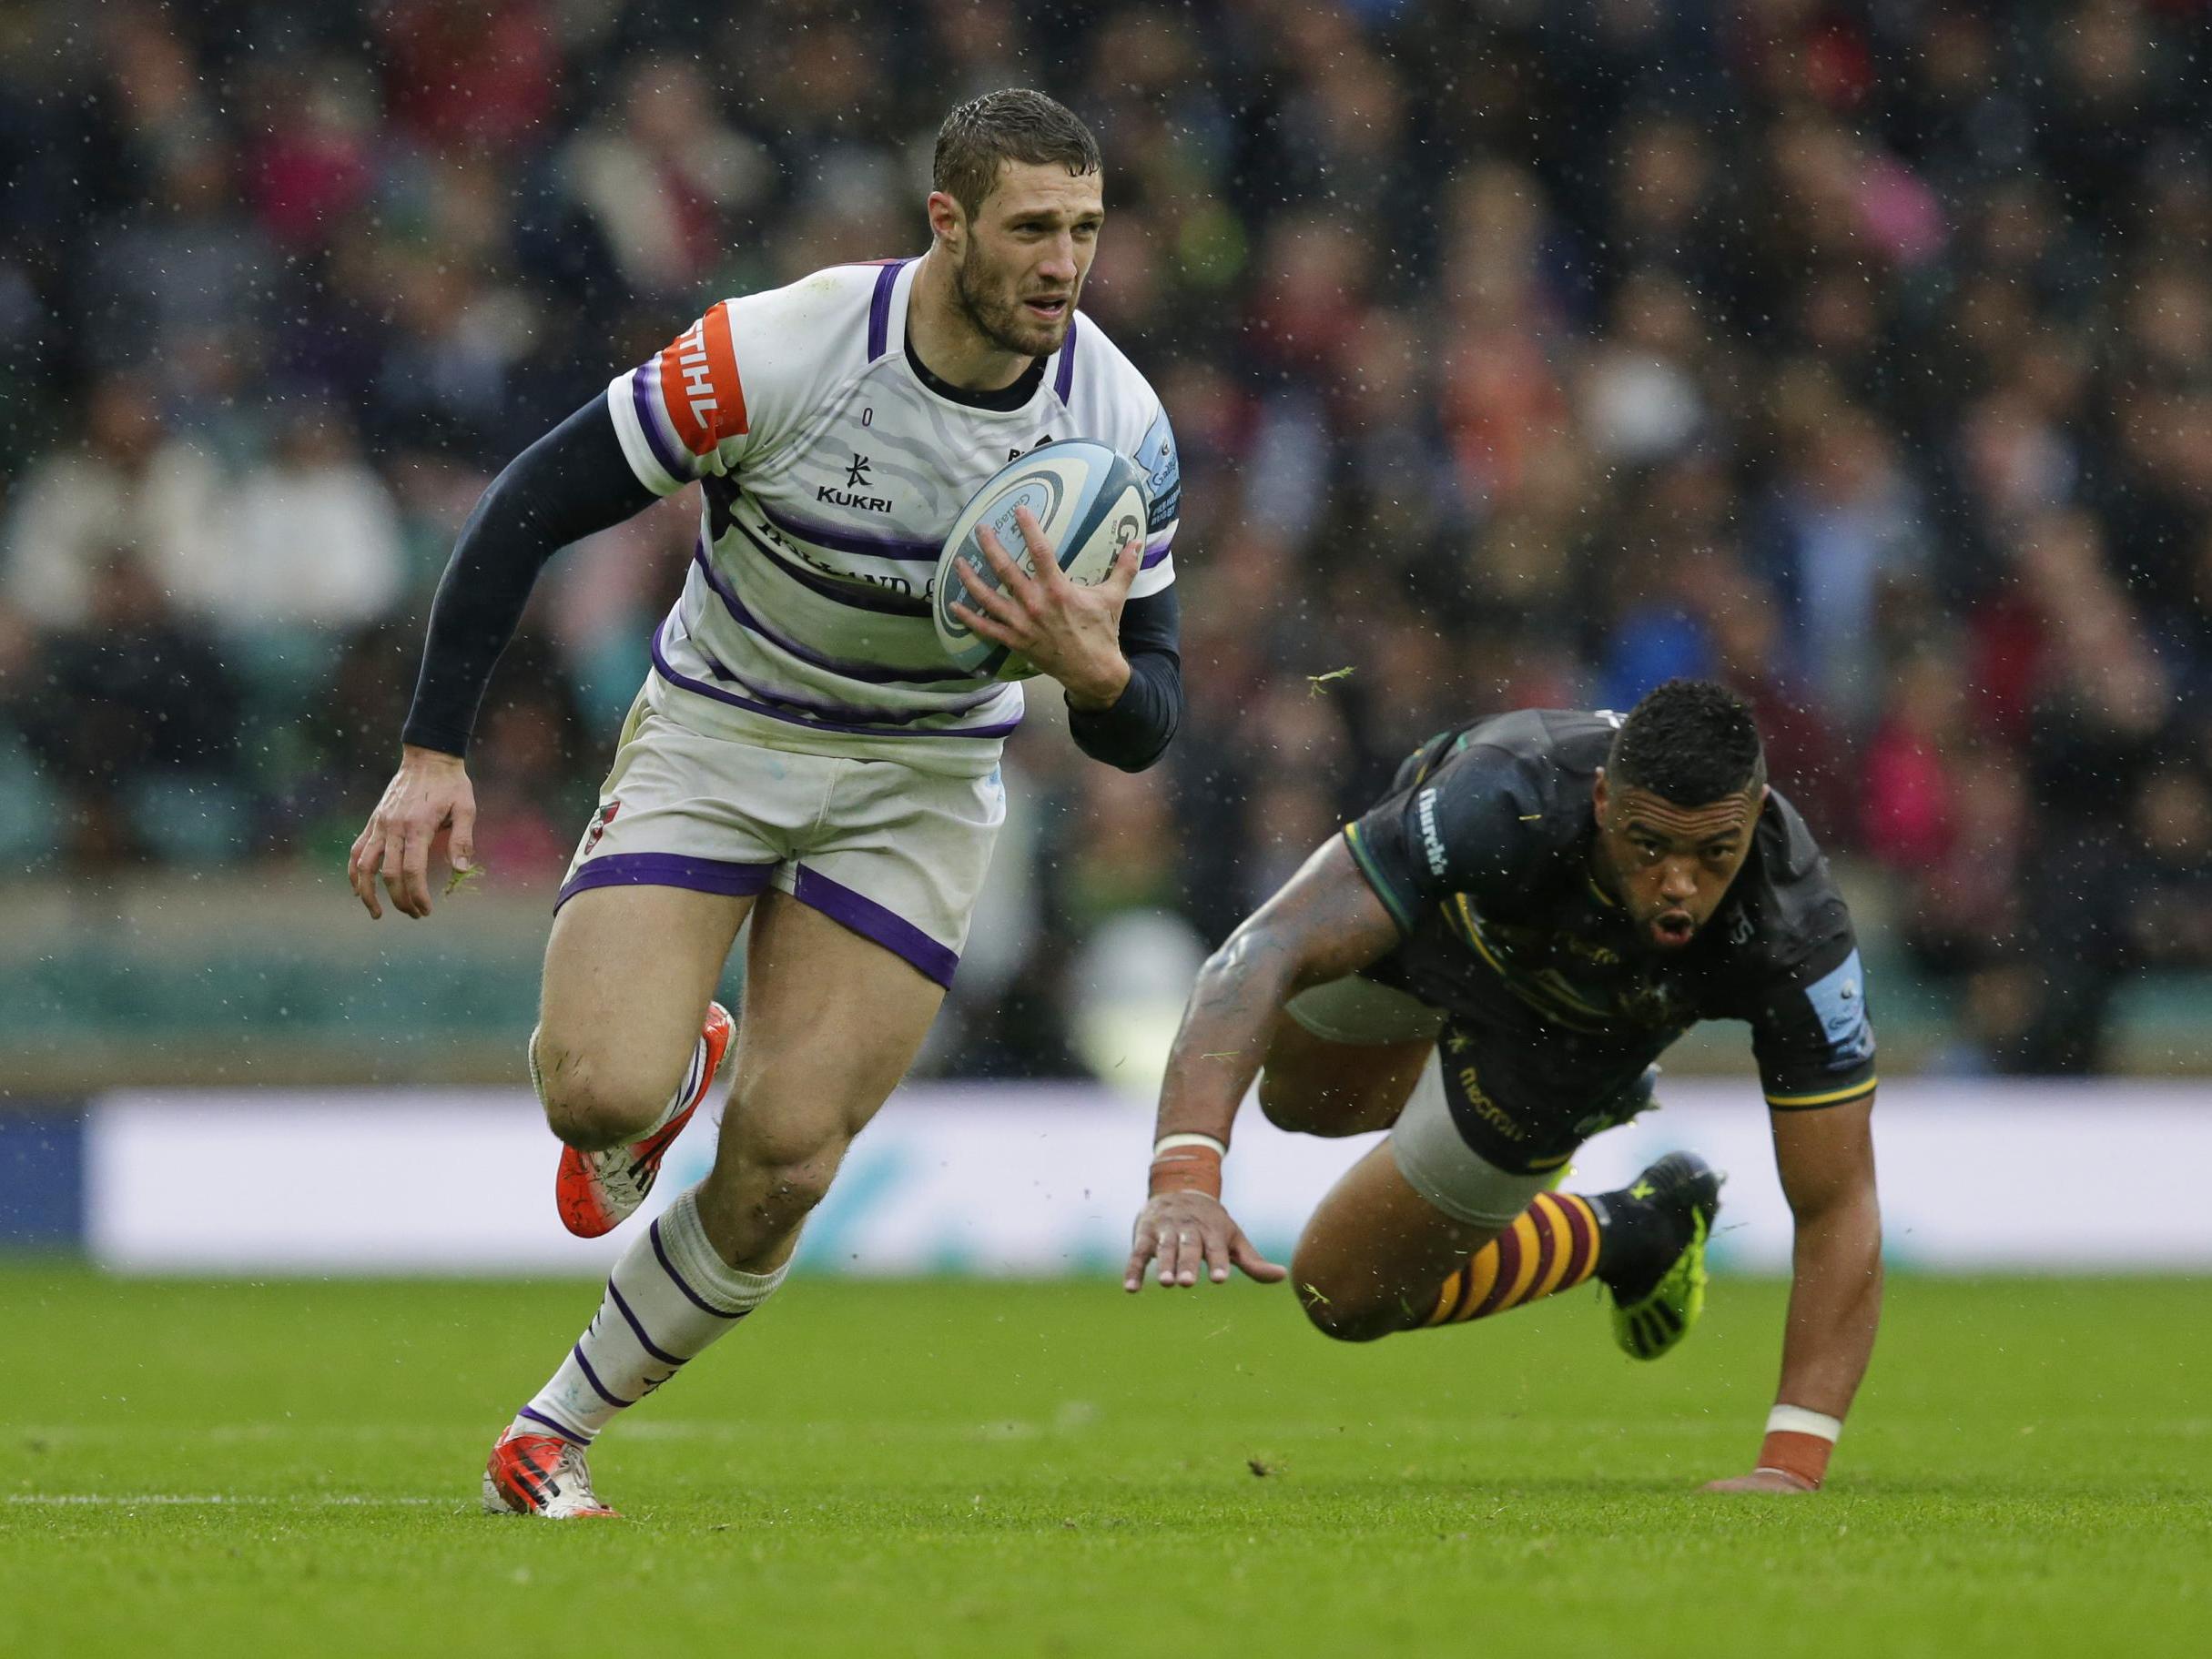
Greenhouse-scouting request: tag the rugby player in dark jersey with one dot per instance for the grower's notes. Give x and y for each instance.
(1486, 964)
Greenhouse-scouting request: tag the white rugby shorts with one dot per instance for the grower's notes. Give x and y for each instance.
(1426, 1143)
(896, 854)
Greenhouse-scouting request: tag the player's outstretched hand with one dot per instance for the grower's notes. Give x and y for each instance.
(430, 792)
(1070, 631)
(1187, 1231)
(1762, 1479)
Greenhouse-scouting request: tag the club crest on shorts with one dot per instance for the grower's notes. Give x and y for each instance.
(600, 820)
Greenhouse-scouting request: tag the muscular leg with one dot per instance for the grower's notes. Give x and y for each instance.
(1373, 1254)
(628, 973)
(831, 1022)
(1379, 1256)
(1426, 1230)
(1312, 1086)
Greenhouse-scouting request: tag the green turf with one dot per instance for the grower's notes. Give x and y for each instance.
(969, 1469)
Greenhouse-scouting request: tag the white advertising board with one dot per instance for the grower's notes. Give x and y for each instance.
(1041, 1180)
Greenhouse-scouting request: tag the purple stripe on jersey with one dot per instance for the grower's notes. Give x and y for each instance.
(638, 1330)
(730, 879)
(1154, 555)
(660, 1252)
(664, 448)
(872, 671)
(879, 309)
(870, 920)
(857, 595)
(599, 1388)
(854, 541)
(566, 1433)
(1065, 376)
(859, 713)
(701, 688)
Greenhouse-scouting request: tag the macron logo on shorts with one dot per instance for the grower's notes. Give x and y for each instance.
(700, 392)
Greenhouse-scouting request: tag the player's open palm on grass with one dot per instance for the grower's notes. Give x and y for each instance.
(1763, 1479)
(1066, 630)
(429, 796)
(1187, 1231)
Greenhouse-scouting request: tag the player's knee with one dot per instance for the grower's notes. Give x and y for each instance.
(586, 1105)
(1303, 1105)
(1340, 1310)
(776, 1188)
(1288, 1106)
(1343, 1319)
(592, 1119)
(789, 1191)
(782, 1169)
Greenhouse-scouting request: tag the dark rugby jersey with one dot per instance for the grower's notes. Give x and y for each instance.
(1482, 853)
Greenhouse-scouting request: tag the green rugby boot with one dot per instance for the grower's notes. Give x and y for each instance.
(1665, 1216)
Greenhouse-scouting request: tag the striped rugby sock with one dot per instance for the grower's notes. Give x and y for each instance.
(1551, 1246)
(669, 1298)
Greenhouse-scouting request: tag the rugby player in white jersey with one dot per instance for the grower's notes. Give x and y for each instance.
(802, 752)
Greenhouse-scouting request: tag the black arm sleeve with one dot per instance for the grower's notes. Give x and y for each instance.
(572, 483)
(1134, 731)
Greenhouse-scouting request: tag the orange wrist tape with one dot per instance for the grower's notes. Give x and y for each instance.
(1187, 1163)
(1803, 1455)
(1799, 1443)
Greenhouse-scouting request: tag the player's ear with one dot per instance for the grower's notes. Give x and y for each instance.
(1598, 794)
(947, 222)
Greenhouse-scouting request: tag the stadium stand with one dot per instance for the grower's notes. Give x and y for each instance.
(1860, 354)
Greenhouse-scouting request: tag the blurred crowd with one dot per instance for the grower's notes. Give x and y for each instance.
(1860, 354)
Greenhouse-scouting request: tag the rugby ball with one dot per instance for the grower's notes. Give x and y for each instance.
(1091, 502)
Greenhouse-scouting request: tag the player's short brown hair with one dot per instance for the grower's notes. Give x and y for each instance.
(1016, 125)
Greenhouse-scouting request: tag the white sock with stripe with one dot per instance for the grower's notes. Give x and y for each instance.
(669, 1297)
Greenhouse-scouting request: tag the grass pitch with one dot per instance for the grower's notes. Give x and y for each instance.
(977, 1470)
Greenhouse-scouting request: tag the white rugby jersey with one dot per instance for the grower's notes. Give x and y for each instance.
(832, 474)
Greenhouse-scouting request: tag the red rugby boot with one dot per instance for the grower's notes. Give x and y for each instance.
(543, 1475)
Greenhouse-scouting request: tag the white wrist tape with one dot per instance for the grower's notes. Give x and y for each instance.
(1796, 1419)
(1168, 1143)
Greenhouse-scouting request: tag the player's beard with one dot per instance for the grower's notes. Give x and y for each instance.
(996, 313)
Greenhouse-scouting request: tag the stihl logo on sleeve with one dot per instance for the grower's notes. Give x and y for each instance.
(700, 390)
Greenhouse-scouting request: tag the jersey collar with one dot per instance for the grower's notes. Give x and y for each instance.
(888, 333)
